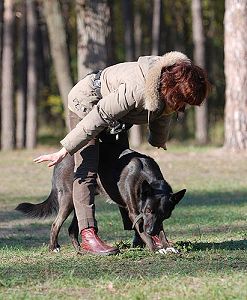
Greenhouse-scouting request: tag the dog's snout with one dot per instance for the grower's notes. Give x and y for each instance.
(149, 225)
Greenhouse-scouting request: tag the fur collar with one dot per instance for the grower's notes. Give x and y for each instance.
(151, 93)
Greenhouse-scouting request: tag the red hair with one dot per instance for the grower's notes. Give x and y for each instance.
(183, 83)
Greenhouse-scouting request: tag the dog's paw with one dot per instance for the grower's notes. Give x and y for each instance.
(56, 250)
(167, 250)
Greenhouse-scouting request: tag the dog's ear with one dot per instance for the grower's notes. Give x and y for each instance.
(176, 197)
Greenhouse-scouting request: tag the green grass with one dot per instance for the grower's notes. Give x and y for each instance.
(209, 226)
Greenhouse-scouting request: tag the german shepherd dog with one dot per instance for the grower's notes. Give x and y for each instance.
(130, 179)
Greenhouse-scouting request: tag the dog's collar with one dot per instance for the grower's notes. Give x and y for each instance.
(137, 219)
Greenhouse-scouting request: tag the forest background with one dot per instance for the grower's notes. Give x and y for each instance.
(47, 46)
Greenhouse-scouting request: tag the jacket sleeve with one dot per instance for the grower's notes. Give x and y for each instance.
(108, 110)
(159, 131)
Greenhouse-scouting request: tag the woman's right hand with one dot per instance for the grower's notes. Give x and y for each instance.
(54, 158)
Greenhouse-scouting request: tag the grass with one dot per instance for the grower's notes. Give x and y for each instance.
(209, 226)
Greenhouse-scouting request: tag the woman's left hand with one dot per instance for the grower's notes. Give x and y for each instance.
(54, 158)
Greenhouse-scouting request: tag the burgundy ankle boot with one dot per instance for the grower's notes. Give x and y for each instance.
(91, 243)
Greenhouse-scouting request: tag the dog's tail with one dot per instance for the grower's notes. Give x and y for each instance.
(40, 210)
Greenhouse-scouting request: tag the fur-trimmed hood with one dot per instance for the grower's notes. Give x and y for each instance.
(152, 66)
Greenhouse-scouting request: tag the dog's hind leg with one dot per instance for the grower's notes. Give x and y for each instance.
(64, 210)
(73, 233)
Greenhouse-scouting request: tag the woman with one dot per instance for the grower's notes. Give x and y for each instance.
(144, 92)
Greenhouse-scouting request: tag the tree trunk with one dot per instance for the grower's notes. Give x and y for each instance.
(44, 65)
(1, 45)
(235, 23)
(7, 111)
(138, 33)
(128, 30)
(93, 30)
(135, 135)
(21, 96)
(1, 48)
(32, 76)
(59, 49)
(156, 27)
(1, 26)
(110, 38)
(201, 113)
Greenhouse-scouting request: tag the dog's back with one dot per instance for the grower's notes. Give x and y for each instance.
(121, 168)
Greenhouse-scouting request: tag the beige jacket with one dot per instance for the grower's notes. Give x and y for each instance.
(129, 93)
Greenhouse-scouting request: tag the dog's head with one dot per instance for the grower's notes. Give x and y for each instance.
(157, 204)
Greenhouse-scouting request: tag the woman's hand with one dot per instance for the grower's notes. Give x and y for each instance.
(54, 158)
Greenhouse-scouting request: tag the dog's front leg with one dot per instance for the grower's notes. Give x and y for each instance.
(167, 246)
(146, 238)
(164, 241)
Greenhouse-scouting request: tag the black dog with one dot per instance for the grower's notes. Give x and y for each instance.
(132, 180)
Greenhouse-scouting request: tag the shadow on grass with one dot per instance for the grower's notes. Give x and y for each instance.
(207, 246)
(215, 198)
(226, 245)
(22, 231)
(125, 268)
(10, 202)
(30, 236)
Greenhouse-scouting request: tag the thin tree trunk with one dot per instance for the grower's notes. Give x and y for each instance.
(44, 52)
(22, 87)
(32, 76)
(156, 27)
(110, 37)
(135, 134)
(236, 74)
(1, 27)
(1, 48)
(201, 113)
(138, 33)
(59, 49)
(7, 111)
(128, 30)
(93, 30)
(1, 44)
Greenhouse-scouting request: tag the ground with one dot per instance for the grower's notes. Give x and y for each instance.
(209, 226)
